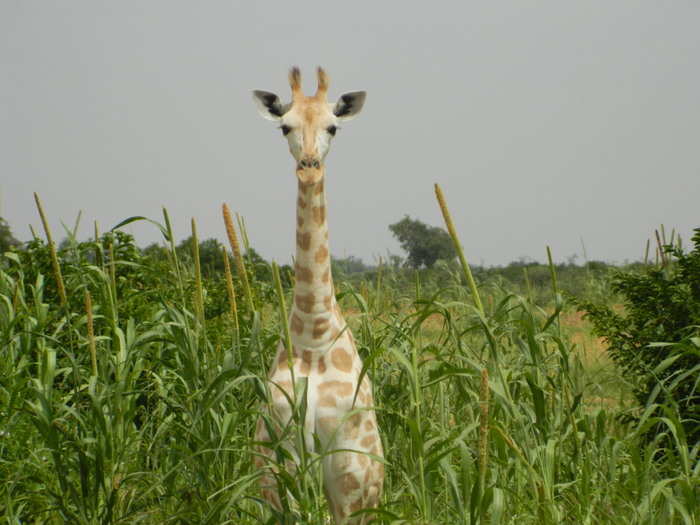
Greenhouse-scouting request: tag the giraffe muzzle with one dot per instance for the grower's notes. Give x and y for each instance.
(308, 162)
(309, 172)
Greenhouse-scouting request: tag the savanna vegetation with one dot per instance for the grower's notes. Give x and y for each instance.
(131, 381)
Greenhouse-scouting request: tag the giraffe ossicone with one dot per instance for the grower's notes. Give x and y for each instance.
(339, 401)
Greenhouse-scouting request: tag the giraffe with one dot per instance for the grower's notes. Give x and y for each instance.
(339, 402)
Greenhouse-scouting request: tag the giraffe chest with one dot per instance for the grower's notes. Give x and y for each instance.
(332, 375)
(337, 359)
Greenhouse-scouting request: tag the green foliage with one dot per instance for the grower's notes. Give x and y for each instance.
(347, 265)
(163, 432)
(210, 257)
(424, 244)
(7, 240)
(656, 339)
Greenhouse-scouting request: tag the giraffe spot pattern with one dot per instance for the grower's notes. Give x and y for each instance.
(303, 274)
(326, 277)
(339, 388)
(327, 400)
(328, 424)
(319, 213)
(301, 203)
(368, 440)
(363, 460)
(352, 426)
(321, 326)
(305, 303)
(348, 483)
(282, 361)
(306, 358)
(321, 365)
(356, 505)
(340, 462)
(341, 359)
(304, 240)
(378, 470)
(321, 254)
(297, 325)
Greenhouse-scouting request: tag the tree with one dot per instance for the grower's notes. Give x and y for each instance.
(348, 265)
(7, 240)
(155, 251)
(424, 244)
(210, 258)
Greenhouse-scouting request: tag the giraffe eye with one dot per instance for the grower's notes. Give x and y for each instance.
(332, 130)
(285, 129)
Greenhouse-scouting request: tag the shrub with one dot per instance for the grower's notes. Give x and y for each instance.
(655, 340)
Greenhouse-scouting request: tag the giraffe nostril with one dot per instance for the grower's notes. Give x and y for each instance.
(309, 163)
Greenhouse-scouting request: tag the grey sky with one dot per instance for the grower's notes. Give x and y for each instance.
(544, 122)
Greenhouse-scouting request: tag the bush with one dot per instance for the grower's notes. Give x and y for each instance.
(655, 340)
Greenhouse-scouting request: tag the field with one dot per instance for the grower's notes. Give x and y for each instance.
(131, 384)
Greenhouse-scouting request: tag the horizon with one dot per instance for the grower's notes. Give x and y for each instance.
(575, 259)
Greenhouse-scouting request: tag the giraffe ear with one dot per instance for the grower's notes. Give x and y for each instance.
(268, 104)
(349, 105)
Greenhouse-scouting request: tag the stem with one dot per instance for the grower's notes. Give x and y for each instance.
(231, 294)
(458, 247)
(483, 429)
(52, 250)
(285, 324)
(197, 273)
(91, 332)
(236, 249)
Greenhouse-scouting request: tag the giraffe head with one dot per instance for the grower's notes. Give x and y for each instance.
(309, 123)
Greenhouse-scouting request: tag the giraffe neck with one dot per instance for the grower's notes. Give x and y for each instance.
(312, 321)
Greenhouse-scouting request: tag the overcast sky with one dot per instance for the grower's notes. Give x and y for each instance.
(544, 122)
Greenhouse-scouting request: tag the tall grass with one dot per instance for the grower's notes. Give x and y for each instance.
(139, 404)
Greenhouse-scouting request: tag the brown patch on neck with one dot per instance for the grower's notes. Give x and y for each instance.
(303, 274)
(319, 214)
(306, 358)
(321, 255)
(305, 303)
(297, 325)
(304, 240)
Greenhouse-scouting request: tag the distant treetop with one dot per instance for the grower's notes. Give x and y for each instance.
(424, 244)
